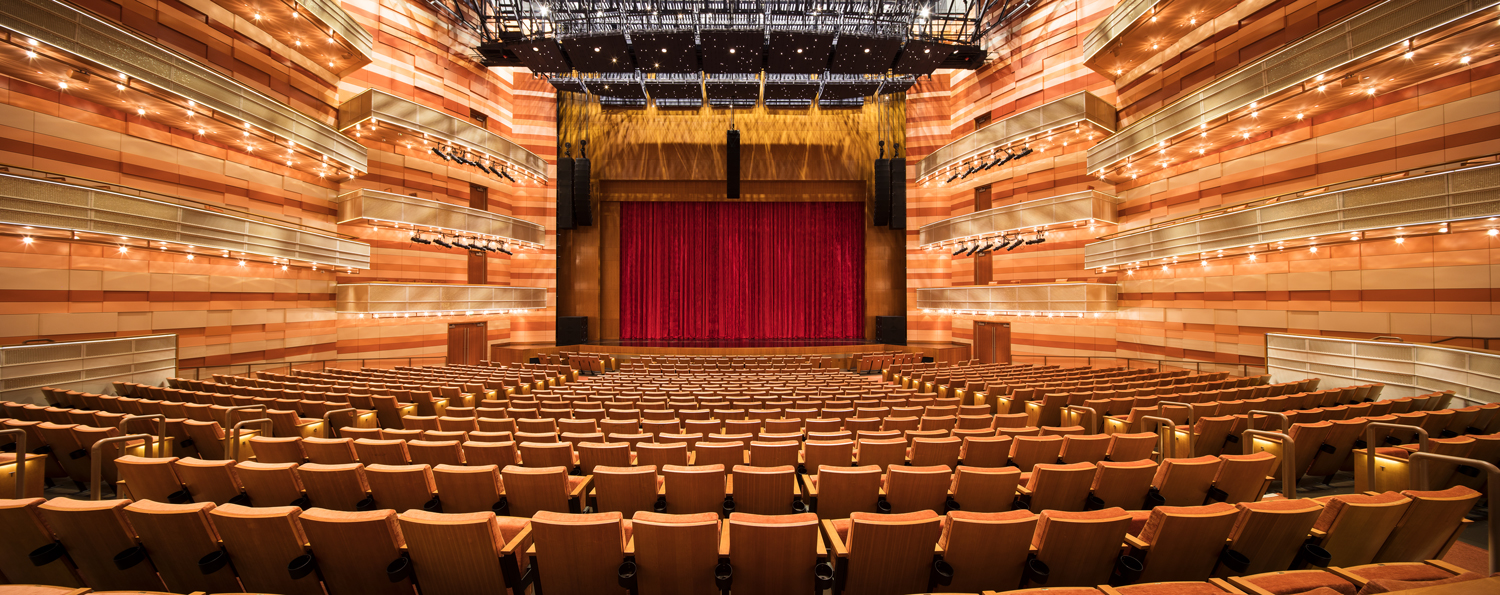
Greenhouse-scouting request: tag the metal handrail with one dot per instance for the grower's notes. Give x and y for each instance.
(1370, 445)
(328, 429)
(161, 432)
(1191, 422)
(1492, 474)
(1245, 370)
(1288, 458)
(1093, 418)
(96, 462)
(1286, 422)
(234, 440)
(21, 453)
(1164, 441)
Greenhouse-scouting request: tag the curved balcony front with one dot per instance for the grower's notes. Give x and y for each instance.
(1083, 110)
(1070, 299)
(382, 117)
(1089, 206)
(381, 300)
(375, 206)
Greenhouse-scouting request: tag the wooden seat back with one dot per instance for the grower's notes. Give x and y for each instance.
(765, 490)
(270, 484)
(986, 451)
(910, 489)
(400, 487)
(982, 489)
(661, 455)
(462, 554)
(727, 454)
(1131, 447)
(987, 549)
(699, 488)
(354, 548)
(532, 489)
(277, 450)
(178, 536)
(499, 453)
(675, 553)
(328, 451)
(1082, 448)
(1027, 451)
(936, 451)
(1357, 525)
(1060, 487)
(1270, 533)
(578, 553)
(472, 488)
(209, 481)
(261, 542)
(1185, 541)
(626, 490)
(547, 454)
(1080, 548)
(881, 452)
(1185, 482)
(93, 532)
(148, 478)
(335, 487)
(774, 454)
(1429, 525)
(1124, 484)
(891, 553)
(1243, 478)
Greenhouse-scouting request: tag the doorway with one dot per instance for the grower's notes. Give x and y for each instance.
(466, 343)
(992, 342)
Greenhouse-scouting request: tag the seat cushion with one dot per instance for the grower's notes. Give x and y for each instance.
(1387, 585)
(1297, 582)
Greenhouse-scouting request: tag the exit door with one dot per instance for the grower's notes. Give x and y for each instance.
(992, 342)
(466, 343)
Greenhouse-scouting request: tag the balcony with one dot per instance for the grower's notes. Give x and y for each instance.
(34, 203)
(375, 207)
(1136, 30)
(1076, 118)
(408, 300)
(1089, 206)
(56, 46)
(1406, 369)
(318, 29)
(1431, 200)
(381, 117)
(1386, 48)
(1051, 299)
(91, 366)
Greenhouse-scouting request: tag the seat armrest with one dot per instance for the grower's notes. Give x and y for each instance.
(521, 542)
(583, 488)
(1135, 542)
(724, 540)
(832, 535)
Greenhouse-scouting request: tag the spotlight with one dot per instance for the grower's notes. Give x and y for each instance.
(442, 240)
(1000, 160)
(439, 154)
(1024, 152)
(975, 249)
(961, 249)
(416, 236)
(460, 241)
(950, 180)
(507, 176)
(503, 250)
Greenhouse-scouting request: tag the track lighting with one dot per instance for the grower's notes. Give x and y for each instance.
(1001, 160)
(416, 236)
(961, 249)
(442, 240)
(503, 250)
(439, 154)
(974, 249)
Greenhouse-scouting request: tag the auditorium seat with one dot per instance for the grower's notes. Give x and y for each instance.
(547, 454)
(151, 478)
(775, 554)
(982, 489)
(820, 453)
(1027, 451)
(1269, 534)
(767, 490)
(95, 534)
(1243, 478)
(659, 455)
(499, 453)
(278, 450)
(936, 451)
(728, 453)
(1354, 527)
(210, 481)
(354, 550)
(532, 489)
(774, 453)
(1057, 487)
(1182, 543)
(337, 487)
(474, 488)
(695, 489)
(382, 452)
(1122, 485)
(179, 538)
(271, 484)
(881, 452)
(1185, 482)
(594, 454)
(885, 554)
(1080, 548)
(988, 451)
(331, 451)
(910, 489)
(401, 487)
(988, 550)
(579, 553)
(462, 554)
(1131, 447)
(1079, 448)
(1429, 525)
(674, 553)
(625, 489)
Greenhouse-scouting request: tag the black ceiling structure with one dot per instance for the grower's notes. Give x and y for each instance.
(586, 44)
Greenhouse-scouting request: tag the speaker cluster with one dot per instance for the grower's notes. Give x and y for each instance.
(1009, 242)
(446, 240)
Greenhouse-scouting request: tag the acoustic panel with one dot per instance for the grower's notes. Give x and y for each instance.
(727, 51)
(799, 53)
(922, 57)
(599, 53)
(665, 52)
(859, 54)
(540, 55)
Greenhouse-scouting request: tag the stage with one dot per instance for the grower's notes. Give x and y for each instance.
(627, 350)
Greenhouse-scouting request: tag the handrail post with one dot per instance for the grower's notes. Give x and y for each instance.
(161, 432)
(1286, 422)
(1370, 445)
(328, 428)
(1191, 422)
(96, 463)
(1093, 418)
(1163, 442)
(1418, 462)
(21, 453)
(1288, 458)
(234, 439)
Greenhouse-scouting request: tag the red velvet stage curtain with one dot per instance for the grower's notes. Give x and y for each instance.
(736, 271)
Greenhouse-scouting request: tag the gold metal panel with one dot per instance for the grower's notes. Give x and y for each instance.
(424, 299)
(1081, 106)
(1067, 208)
(365, 204)
(1070, 298)
(389, 109)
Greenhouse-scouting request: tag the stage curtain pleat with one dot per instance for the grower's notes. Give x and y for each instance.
(741, 271)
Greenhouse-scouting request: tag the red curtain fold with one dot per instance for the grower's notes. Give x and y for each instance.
(737, 271)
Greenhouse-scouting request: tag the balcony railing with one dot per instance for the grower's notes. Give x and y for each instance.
(382, 300)
(1077, 207)
(1072, 299)
(1018, 129)
(429, 215)
(161, 85)
(383, 117)
(321, 30)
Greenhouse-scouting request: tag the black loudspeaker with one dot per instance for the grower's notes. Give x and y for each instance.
(890, 330)
(882, 192)
(565, 193)
(583, 212)
(732, 164)
(898, 193)
(572, 330)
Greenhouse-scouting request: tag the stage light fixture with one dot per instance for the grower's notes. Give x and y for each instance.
(416, 236)
(507, 176)
(961, 249)
(1024, 152)
(973, 249)
(503, 250)
(950, 180)
(1000, 160)
(439, 154)
(442, 240)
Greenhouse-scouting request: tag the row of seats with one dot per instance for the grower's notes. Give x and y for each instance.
(149, 545)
